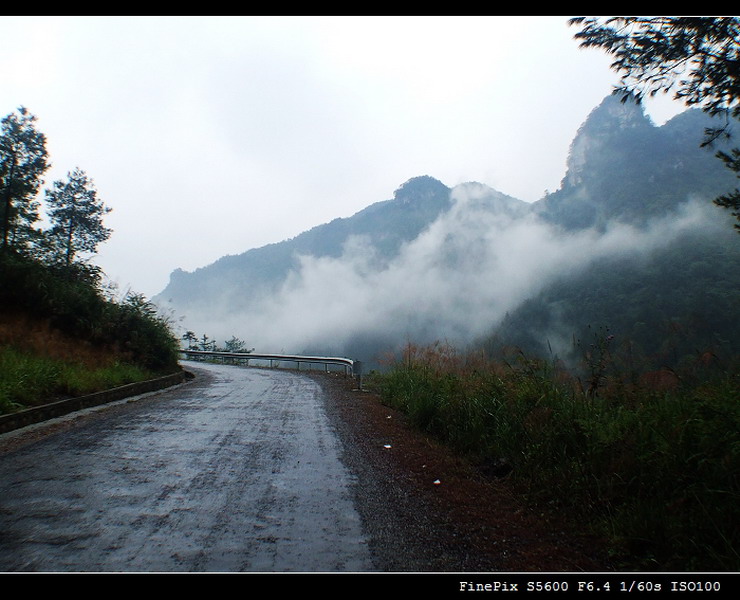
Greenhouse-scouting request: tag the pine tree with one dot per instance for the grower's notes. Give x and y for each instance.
(23, 160)
(77, 216)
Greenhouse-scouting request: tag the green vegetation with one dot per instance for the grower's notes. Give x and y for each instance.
(23, 161)
(652, 463)
(60, 333)
(663, 307)
(77, 217)
(27, 379)
(206, 344)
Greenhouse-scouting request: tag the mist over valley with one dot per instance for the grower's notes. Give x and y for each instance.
(630, 244)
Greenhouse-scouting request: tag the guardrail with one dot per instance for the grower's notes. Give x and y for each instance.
(350, 366)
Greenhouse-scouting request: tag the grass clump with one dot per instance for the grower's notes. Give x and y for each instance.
(652, 466)
(28, 380)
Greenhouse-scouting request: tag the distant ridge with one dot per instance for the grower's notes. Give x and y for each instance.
(386, 225)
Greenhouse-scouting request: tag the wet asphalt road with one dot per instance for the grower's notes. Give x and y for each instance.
(238, 470)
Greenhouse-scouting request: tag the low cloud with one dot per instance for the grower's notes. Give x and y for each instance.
(454, 282)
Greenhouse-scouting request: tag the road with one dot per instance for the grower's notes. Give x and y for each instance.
(238, 470)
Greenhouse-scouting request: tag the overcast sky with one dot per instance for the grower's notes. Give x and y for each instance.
(209, 136)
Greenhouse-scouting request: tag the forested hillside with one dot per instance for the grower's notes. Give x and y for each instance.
(675, 298)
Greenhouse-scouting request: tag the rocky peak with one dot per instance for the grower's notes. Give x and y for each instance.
(420, 189)
(608, 124)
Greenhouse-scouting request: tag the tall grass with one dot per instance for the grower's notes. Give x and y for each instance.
(28, 380)
(651, 463)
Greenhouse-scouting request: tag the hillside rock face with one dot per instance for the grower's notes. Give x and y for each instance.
(612, 123)
(623, 168)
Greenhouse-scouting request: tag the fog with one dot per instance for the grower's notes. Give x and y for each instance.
(453, 283)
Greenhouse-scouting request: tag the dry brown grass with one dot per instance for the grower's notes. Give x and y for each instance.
(34, 335)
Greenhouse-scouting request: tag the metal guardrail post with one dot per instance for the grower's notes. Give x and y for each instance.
(357, 369)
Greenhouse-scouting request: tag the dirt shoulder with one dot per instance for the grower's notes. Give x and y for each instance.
(427, 510)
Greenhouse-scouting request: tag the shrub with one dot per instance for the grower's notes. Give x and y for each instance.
(76, 306)
(89, 342)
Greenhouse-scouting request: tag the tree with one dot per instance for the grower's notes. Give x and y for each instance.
(236, 345)
(23, 160)
(698, 58)
(206, 344)
(190, 338)
(77, 216)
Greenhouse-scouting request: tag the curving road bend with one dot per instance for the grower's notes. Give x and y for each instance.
(238, 470)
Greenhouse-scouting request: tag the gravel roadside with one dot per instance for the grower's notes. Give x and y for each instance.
(426, 510)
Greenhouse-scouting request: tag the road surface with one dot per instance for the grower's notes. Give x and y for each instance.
(238, 470)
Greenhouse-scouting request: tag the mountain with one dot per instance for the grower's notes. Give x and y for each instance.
(676, 295)
(623, 168)
(256, 272)
(239, 281)
(630, 240)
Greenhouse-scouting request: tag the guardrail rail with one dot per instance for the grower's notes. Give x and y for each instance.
(353, 367)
